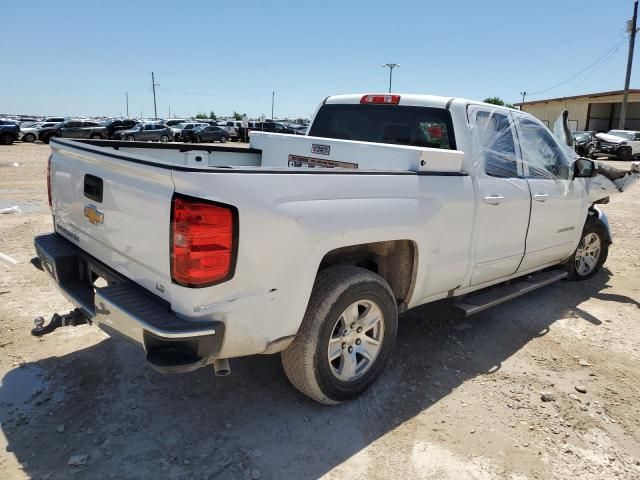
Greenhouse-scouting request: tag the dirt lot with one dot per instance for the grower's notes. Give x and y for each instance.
(458, 401)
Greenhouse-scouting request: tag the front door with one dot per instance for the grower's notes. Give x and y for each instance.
(504, 199)
(559, 206)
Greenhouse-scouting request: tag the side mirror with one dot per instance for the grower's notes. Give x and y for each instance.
(584, 168)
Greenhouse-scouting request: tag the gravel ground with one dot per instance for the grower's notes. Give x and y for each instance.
(461, 398)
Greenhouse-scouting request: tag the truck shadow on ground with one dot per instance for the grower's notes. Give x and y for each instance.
(135, 423)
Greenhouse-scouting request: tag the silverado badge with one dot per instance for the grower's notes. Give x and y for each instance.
(92, 213)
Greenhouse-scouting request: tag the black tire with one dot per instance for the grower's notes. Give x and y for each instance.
(624, 153)
(223, 139)
(130, 138)
(6, 139)
(198, 139)
(306, 362)
(164, 138)
(29, 137)
(596, 227)
(95, 136)
(47, 138)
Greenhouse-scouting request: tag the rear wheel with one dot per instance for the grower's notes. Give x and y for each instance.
(29, 137)
(130, 138)
(592, 251)
(96, 136)
(164, 138)
(6, 139)
(223, 139)
(346, 336)
(624, 153)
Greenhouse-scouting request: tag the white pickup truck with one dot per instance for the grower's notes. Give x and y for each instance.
(311, 245)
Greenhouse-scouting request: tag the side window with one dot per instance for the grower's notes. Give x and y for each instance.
(541, 153)
(493, 133)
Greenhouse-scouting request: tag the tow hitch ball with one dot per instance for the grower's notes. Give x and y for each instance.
(73, 318)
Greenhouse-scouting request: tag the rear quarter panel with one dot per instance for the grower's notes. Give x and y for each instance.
(289, 222)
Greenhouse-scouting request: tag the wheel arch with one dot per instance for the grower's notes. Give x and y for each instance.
(393, 260)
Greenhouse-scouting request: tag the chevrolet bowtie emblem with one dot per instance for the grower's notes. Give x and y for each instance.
(94, 216)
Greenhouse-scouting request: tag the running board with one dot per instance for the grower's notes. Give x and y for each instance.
(473, 304)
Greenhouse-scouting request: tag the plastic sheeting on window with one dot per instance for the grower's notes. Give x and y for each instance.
(494, 143)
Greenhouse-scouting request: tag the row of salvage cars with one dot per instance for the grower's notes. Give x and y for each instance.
(623, 144)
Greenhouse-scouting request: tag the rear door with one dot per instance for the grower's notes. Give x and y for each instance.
(503, 195)
(71, 129)
(559, 207)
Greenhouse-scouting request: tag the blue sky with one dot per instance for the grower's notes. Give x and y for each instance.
(80, 57)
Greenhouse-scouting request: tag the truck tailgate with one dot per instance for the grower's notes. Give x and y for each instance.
(117, 211)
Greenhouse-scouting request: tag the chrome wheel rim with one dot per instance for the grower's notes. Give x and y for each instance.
(588, 254)
(356, 340)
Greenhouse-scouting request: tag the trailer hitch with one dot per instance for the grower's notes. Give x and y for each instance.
(74, 318)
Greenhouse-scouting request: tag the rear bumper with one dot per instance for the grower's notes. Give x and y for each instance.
(122, 308)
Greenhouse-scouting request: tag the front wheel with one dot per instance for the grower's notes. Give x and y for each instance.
(223, 139)
(29, 137)
(164, 138)
(624, 153)
(6, 139)
(592, 251)
(346, 336)
(129, 138)
(96, 136)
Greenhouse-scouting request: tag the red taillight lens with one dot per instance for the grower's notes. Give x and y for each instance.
(49, 180)
(389, 99)
(203, 242)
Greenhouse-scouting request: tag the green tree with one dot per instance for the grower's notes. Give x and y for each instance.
(212, 115)
(201, 115)
(497, 101)
(236, 115)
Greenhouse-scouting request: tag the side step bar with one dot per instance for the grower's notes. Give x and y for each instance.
(475, 303)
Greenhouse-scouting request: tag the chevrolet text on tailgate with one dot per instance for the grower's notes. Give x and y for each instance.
(312, 245)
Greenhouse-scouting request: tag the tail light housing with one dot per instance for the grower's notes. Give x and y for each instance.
(49, 180)
(381, 99)
(204, 241)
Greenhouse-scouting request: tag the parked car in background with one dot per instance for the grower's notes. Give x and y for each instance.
(300, 129)
(54, 119)
(232, 127)
(73, 129)
(115, 125)
(586, 143)
(9, 131)
(205, 134)
(181, 128)
(172, 122)
(621, 143)
(155, 132)
(30, 133)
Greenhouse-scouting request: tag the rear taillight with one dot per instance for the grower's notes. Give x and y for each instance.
(203, 241)
(49, 180)
(388, 99)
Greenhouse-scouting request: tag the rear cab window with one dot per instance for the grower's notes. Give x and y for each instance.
(394, 124)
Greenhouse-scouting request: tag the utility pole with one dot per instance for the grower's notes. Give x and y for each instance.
(632, 41)
(126, 97)
(390, 66)
(273, 100)
(524, 95)
(154, 85)
(169, 112)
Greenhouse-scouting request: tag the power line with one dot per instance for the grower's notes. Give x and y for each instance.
(610, 51)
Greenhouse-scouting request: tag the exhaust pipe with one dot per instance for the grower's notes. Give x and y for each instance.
(221, 367)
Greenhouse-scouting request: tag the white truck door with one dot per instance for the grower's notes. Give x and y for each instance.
(559, 206)
(503, 195)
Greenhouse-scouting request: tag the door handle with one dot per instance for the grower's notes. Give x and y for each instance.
(493, 199)
(541, 197)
